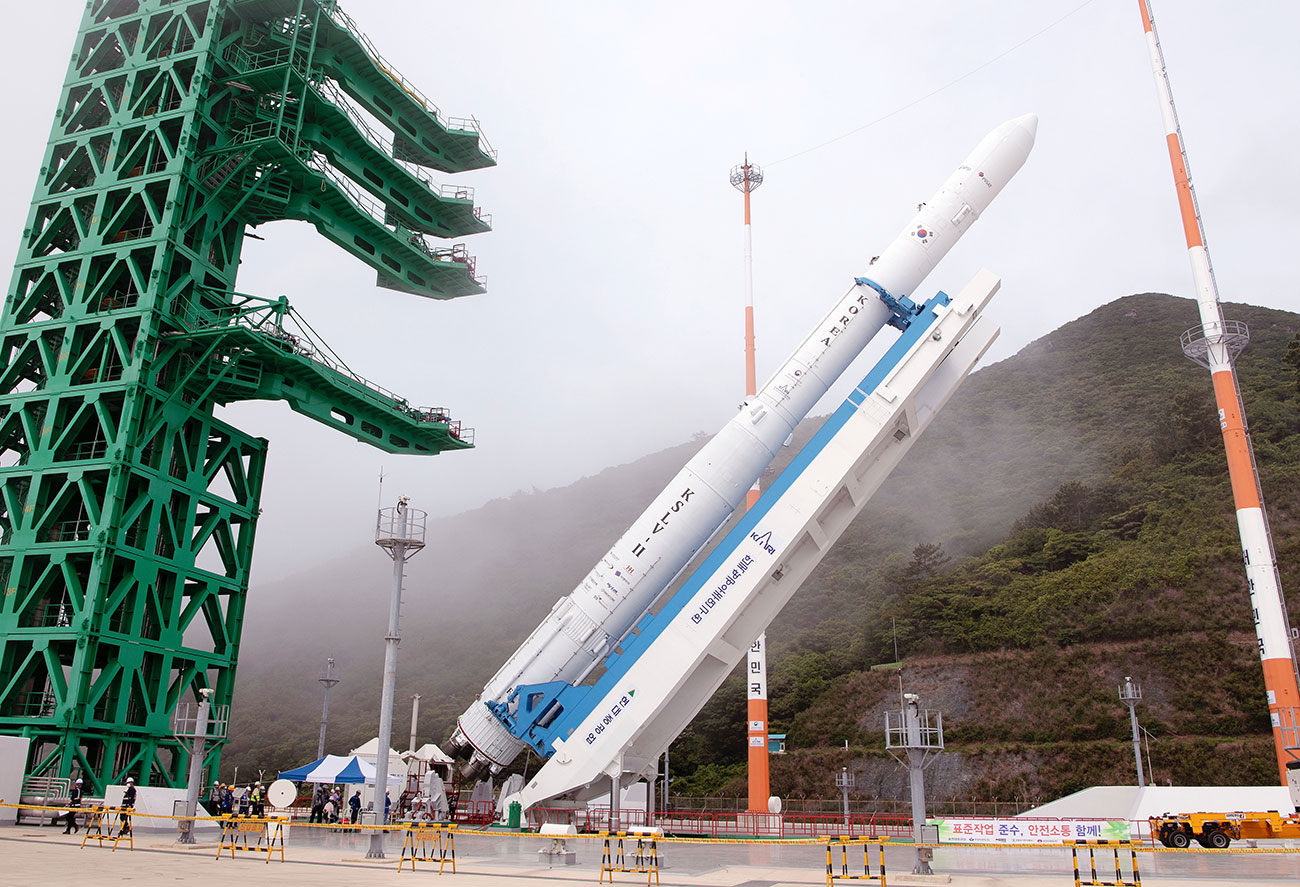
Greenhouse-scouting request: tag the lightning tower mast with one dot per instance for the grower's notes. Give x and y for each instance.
(1215, 344)
(746, 178)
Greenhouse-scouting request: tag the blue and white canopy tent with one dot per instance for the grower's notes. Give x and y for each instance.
(339, 769)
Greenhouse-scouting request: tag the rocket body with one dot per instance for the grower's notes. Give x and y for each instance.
(586, 625)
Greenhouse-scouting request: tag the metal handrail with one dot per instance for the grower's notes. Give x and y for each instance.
(359, 198)
(377, 211)
(330, 93)
(269, 319)
(464, 124)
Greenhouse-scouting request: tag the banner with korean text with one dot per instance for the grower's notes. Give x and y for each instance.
(1029, 831)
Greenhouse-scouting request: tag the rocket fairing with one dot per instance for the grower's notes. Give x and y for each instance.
(586, 625)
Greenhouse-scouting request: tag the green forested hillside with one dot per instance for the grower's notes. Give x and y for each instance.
(1130, 566)
(1066, 521)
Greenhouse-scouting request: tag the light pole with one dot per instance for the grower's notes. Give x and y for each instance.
(919, 733)
(192, 723)
(400, 532)
(328, 682)
(1130, 694)
(415, 716)
(844, 780)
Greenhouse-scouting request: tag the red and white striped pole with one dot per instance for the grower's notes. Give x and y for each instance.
(746, 178)
(1215, 344)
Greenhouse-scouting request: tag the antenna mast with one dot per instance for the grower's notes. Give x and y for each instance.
(1214, 345)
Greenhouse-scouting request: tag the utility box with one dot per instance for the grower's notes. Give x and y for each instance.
(13, 766)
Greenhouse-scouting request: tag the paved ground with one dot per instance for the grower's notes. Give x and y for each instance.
(46, 857)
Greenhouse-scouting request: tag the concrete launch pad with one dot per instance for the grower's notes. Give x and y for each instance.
(46, 856)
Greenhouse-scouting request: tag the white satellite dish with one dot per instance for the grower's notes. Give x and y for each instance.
(282, 793)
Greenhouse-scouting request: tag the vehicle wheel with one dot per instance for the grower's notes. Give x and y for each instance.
(1178, 840)
(1217, 839)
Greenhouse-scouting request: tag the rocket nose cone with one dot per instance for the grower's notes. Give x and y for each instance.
(1029, 123)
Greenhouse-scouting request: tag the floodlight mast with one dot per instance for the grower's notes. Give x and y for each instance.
(1130, 693)
(1215, 345)
(328, 682)
(400, 532)
(745, 178)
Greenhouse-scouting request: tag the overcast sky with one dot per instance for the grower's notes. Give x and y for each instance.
(612, 325)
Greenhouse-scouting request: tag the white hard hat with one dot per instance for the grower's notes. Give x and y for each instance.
(78, 782)
(130, 779)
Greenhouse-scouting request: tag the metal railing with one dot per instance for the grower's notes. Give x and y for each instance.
(379, 213)
(464, 124)
(330, 93)
(244, 61)
(719, 824)
(1232, 335)
(281, 325)
(35, 704)
(860, 807)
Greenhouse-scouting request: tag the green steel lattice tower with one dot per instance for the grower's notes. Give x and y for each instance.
(127, 511)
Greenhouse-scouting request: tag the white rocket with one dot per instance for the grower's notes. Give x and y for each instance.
(586, 625)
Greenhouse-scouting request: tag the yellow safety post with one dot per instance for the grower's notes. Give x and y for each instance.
(415, 845)
(447, 847)
(109, 824)
(229, 835)
(236, 830)
(645, 860)
(647, 857)
(273, 833)
(607, 860)
(1116, 847)
(844, 842)
(417, 841)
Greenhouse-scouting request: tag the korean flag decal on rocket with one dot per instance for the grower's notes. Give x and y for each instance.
(925, 234)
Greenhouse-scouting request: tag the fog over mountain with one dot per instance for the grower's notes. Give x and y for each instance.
(1073, 407)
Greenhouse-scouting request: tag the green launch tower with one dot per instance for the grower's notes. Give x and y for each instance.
(127, 510)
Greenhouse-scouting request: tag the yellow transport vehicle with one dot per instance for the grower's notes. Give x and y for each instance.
(1218, 830)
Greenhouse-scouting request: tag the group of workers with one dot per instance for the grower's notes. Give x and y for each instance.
(327, 807)
(223, 802)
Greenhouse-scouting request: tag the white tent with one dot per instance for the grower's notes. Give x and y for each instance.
(370, 752)
(338, 769)
(430, 754)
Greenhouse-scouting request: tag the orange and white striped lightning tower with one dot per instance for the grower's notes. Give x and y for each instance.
(1215, 344)
(746, 178)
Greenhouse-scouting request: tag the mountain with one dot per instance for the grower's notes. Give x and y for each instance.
(1066, 521)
